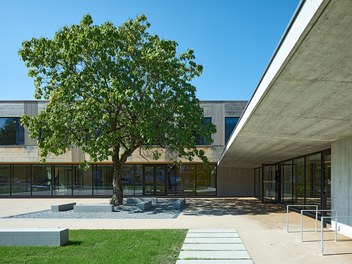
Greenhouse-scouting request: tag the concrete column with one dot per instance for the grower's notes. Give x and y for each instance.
(341, 182)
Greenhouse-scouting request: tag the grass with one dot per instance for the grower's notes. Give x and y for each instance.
(104, 246)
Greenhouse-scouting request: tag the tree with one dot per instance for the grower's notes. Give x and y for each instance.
(112, 90)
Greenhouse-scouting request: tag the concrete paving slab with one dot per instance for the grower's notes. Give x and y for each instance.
(210, 240)
(213, 247)
(212, 230)
(214, 261)
(219, 235)
(214, 255)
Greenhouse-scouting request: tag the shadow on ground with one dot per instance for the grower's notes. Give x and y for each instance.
(230, 206)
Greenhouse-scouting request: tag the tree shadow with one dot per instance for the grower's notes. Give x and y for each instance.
(230, 206)
(73, 243)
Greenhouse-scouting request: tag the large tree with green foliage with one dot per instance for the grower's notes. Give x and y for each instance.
(112, 90)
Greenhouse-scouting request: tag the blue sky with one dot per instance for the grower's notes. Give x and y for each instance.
(233, 39)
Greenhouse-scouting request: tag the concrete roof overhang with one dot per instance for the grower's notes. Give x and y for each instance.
(303, 102)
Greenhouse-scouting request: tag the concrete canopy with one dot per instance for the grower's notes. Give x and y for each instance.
(303, 102)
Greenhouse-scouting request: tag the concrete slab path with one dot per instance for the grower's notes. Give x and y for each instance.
(203, 246)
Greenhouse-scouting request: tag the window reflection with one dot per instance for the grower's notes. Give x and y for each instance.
(21, 182)
(41, 180)
(11, 131)
(5, 180)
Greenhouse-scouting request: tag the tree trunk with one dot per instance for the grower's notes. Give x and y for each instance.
(117, 197)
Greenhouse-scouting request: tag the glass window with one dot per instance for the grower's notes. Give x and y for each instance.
(138, 179)
(82, 181)
(201, 140)
(270, 181)
(128, 179)
(286, 192)
(230, 124)
(21, 184)
(326, 196)
(11, 131)
(103, 180)
(313, 179)
(5, 172)
(206, 177)
(298, 178)
(172, 179)
(185, 180)
(258, 183)
(62, 182)
(41, 180)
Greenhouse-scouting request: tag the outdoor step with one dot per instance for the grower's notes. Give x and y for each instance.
(219, 235)
(214, 247)
(210, 240)
(214, 255)
(214, 261)
(212, 230)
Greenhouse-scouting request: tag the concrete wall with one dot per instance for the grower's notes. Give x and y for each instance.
(235, 181)
(341, 182)
(217, 110)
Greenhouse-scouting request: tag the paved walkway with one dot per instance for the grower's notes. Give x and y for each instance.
(262, 227)
(218, 246)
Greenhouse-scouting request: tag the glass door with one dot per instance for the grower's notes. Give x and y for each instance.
(271, 183)
(154, 180)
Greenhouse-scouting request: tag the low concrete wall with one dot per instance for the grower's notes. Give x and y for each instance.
(33, 236)
(341, 181)
(235, 181)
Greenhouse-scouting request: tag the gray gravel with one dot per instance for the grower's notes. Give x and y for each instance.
(161, 210)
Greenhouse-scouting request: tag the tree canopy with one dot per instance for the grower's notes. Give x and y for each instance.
(112, 90)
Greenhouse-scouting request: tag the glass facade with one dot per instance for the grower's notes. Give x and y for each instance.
(230, 124)
(69, 180)
(11, 131)
(258, 182)
(304, 180)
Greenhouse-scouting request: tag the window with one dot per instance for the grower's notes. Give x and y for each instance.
(11, 131)
(230, 123)
(201, 140)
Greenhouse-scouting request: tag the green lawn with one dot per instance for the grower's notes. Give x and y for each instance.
(104, 246)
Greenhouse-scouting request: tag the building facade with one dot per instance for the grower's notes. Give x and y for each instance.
(22, 175)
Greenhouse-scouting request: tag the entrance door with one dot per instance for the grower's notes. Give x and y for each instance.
(154, 180)
(271, 183)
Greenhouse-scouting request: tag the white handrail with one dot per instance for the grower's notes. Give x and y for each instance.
(301, 205)
(316, 218)
(322, 229)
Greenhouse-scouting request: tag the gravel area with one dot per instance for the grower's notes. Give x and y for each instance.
(163, 209)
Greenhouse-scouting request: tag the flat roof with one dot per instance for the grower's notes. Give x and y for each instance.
(303, 101)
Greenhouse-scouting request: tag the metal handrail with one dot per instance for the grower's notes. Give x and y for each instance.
(300, 205)
(316, 218)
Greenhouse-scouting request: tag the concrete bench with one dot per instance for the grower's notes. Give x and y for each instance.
(180, 204)
(33, 236)
(136, 200)
(93, 208)
(62, 207)
(144, 205)
(133, 200)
